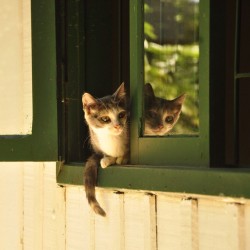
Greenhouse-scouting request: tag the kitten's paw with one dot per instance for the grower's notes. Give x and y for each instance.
(107, 161)
(121, 160)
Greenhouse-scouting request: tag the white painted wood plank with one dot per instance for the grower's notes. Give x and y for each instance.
(218, 225)
(60, 219)
(33, 206)
(78, 220)
(177, 223)
(109, 230)
(189, 224)
(247, 225)
(53, 210)
(241, 237)
(11, 206)
(139, 225)
(168, 222)
(150, 235)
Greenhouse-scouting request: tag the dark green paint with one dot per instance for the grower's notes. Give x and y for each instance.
(136, 76)
(219, 182)
(42, 145)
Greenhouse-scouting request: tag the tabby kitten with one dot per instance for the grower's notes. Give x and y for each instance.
(108, 128)
(160, 114)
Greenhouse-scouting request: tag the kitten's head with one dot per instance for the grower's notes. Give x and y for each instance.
(160, 114)
(108, 114)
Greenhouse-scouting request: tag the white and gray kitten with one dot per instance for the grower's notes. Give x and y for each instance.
(108, 128)
(160, 114)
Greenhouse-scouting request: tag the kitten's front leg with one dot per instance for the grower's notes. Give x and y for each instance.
(107, 161)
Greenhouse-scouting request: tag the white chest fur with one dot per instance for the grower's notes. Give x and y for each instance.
(112, 145)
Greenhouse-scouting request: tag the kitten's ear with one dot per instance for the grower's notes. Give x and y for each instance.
(148, 90)
(177, 103)
(179, 100)
(120, 93)
(87, 101)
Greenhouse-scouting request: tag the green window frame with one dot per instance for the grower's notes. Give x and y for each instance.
(42, 144)
(174, 150)
(150, 170)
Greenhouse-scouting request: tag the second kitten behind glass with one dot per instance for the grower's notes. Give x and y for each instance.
(160, 114)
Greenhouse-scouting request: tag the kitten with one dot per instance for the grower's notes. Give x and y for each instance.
(107, 121)
(160, 114)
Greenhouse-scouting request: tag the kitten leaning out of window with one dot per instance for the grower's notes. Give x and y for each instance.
(107, 120)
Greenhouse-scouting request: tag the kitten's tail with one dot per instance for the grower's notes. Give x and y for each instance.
(90, 178)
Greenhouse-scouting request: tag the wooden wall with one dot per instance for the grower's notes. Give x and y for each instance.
(36, 213)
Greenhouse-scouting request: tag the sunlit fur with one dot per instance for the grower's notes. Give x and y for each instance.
(108, 138)
(108, 128)
(160, 114)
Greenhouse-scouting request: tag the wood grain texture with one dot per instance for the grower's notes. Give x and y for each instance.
(53, 210)
(109, 231)
(247, 226)
(33, 205)
(78, 220)
(177, 223)
(36, 213)
(43, 207)
(11, 206)
(139, 221)
(218, 225)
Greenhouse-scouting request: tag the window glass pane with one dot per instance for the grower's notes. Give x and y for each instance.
(171, 58)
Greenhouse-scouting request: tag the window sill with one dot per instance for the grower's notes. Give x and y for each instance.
(232, 182)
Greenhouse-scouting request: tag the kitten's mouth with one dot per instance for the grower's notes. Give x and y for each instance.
(160, 131)
(117, 131)
(157, 132)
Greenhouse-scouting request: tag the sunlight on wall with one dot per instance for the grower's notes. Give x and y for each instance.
(15, 68)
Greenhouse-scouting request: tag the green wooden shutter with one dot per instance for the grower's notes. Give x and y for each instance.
(42, 144)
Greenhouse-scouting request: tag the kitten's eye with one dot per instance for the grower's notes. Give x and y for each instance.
(169, 119)
(105, 119)
(122, 114)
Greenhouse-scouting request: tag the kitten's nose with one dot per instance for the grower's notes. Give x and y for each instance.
(160, 127)
(117, 126)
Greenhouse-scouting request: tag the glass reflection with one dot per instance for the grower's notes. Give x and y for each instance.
(171, 56)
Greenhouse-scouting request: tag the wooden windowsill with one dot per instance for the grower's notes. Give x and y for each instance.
(232, 182)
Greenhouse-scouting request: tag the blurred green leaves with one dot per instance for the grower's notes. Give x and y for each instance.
(171, 60)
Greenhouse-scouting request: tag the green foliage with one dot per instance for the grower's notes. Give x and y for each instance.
(172, 69)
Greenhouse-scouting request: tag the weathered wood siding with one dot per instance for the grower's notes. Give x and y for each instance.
(35, 213)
